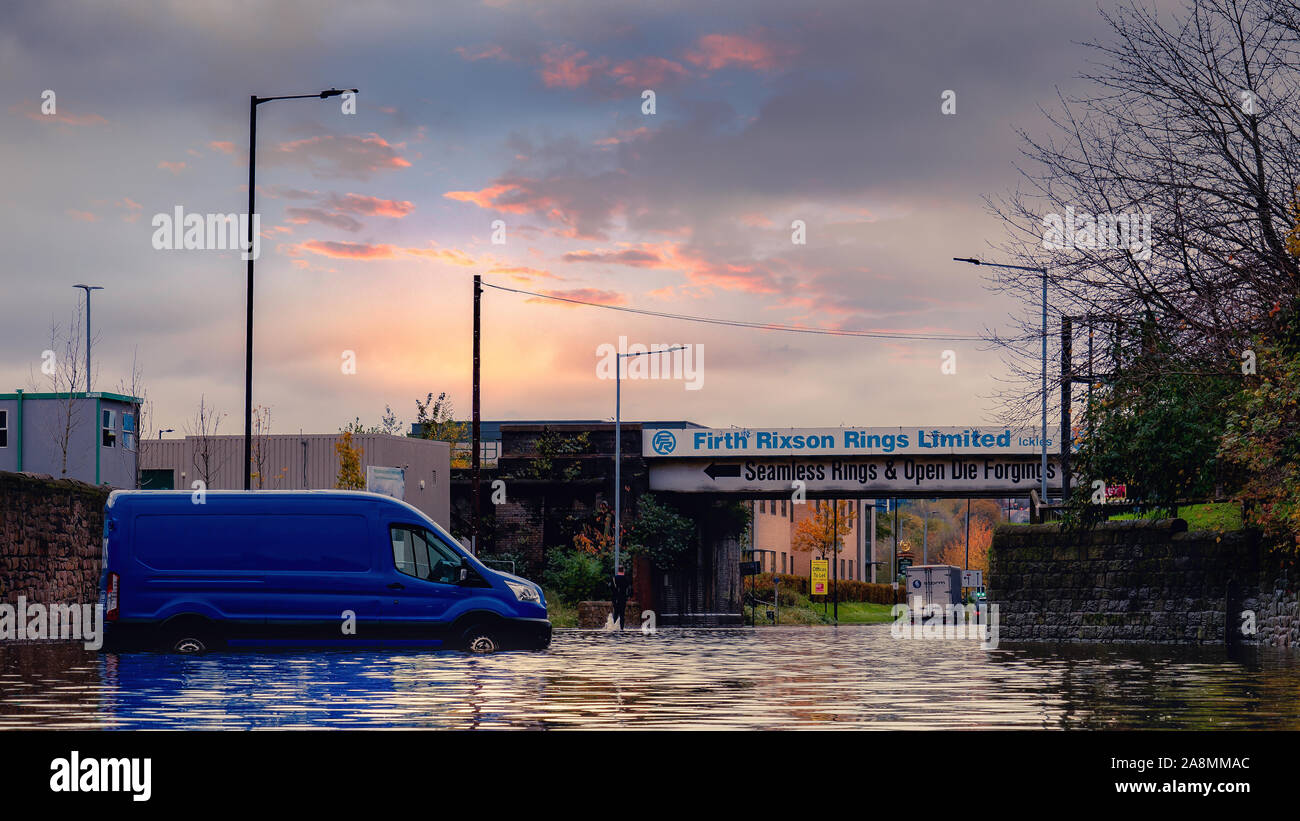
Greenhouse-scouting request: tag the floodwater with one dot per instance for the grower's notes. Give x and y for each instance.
(852, 677)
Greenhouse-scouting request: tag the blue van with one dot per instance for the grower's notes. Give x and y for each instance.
(187, 572)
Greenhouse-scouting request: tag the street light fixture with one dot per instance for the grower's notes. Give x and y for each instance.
(1042, 438)
(254, 102)
(165, 430)
(88, 289)
(618, 443)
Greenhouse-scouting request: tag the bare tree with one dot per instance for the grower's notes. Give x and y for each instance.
(142, 413)
(206, 454)
(63, 369)
(261, 445)
(1192, 124)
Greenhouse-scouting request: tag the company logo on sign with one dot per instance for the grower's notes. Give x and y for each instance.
(664, 442)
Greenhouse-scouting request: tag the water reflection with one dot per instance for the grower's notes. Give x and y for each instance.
(850, 677)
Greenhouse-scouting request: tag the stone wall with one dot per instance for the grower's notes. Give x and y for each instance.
(1277, 616)
(595, 614)
(51, 532)
(1138, 581)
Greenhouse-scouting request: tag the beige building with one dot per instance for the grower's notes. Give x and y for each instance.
(310, 461)
(775, 521)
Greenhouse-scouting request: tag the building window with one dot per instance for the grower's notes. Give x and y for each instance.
(783, 507)
(4, 428)
(783, 563)
(850, 568)
(762, 506)
(128, 431)
(108, 437)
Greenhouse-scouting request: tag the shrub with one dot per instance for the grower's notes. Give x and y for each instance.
(577, 576)
(848, 589)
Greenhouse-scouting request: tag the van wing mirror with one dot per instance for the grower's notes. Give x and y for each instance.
(464, 570)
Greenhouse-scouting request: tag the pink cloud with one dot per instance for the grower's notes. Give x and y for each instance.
(348, 155)
(224, 146)
(648, 71)
(370, 206)
(84, 216)
(635, 257)
(563, 68)
(174, 167)
(32, 110)
(595, 295)
(348, 250)
(715, 51)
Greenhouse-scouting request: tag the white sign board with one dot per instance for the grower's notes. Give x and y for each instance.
(685, 443)
(972, 578)
(878, 476)
(388, 481)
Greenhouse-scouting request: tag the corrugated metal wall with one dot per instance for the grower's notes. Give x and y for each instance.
(307, 461)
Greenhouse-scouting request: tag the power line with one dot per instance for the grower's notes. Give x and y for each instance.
(736, 323)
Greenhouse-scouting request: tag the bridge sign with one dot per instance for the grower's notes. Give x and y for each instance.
(870, 476)
(995, 440)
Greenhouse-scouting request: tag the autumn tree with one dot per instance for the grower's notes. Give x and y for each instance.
(825, 529)
(981, 539)
(350, 477)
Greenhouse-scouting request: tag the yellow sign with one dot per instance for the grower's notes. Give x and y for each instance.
(821, 573)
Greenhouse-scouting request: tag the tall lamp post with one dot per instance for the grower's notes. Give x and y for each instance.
(88, 289)
(618, 444)
(254, 102)
(1042, 438)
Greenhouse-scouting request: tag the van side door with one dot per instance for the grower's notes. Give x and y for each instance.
(424, 587)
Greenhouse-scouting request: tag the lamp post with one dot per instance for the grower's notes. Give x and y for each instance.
(88, 289)
(254, 102)
(618, 444)
(1042, 438)
(166, 430)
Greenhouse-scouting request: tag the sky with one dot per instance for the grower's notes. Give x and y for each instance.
(373, 223)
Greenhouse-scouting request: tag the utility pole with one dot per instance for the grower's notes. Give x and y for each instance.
(1067, 354)
(967, 567)
(835, 557)
(474, 458)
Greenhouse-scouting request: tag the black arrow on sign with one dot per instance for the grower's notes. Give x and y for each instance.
(714, 471)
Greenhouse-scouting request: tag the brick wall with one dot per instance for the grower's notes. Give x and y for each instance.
(51, 533)
(1137, 581)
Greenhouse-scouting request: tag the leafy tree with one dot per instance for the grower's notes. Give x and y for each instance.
(350, 477)
(660, 533)
(1155, 428)
(1261, 443)
(825, 530)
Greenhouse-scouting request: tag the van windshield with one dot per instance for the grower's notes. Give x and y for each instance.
(421, 554)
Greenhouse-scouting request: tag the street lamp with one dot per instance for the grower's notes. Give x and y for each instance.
(618, 443)
(1042, 438)
(166, 430)
(925, 536)
(254, 102)
(88, 289)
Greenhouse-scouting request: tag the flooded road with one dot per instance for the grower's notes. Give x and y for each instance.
(855, 677)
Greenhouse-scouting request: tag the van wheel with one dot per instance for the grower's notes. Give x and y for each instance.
(190, 637)
(188, 645)
(481, 640)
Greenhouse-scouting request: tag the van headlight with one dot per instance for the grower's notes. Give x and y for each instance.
(525, 592)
